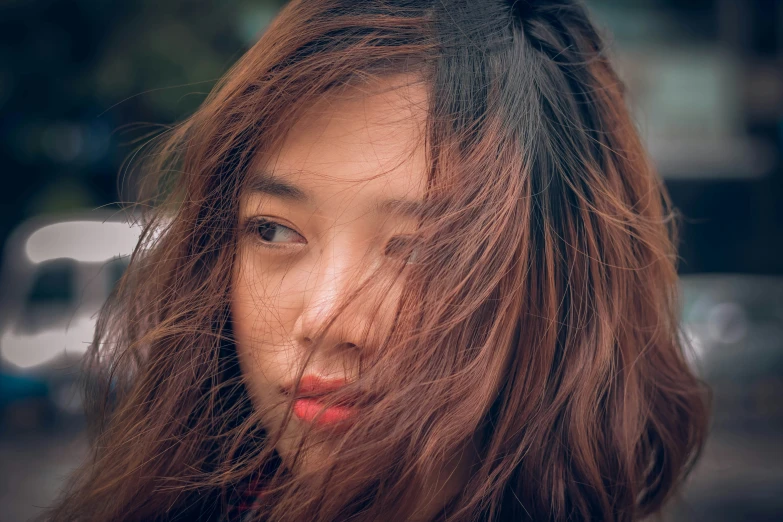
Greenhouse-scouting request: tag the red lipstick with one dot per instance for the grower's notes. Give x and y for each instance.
(309, 401)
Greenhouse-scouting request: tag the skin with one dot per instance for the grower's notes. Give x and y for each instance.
(348, 163)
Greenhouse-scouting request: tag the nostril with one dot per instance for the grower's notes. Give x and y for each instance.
(310, 344)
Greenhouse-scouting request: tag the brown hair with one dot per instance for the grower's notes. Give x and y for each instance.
(541, 312)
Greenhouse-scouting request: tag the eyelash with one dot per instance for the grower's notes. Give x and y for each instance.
(403, 244)
(395, 246)
(254, 227)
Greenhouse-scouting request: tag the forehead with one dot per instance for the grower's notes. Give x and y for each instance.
(368, 138)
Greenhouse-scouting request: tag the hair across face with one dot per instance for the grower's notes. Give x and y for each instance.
(332, 204)
(403, 240)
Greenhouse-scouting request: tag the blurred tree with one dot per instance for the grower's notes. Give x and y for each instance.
(80, 80)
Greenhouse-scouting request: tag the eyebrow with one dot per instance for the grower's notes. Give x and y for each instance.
(403, 207)
(273, 185)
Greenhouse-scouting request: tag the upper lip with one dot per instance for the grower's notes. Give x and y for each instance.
(316, 387)
(313, 386)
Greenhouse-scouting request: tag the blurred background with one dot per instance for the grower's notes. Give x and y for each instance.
(82, 81)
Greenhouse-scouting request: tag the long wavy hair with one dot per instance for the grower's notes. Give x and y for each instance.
(539, 320)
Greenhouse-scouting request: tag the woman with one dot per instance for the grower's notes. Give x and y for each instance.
(413, 264)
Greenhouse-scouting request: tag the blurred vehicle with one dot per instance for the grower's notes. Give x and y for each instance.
(734, 324)
(56, 274)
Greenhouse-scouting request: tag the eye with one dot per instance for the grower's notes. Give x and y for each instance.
(275, 233)
(403, 247)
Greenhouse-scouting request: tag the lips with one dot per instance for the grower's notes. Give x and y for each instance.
(311, 396)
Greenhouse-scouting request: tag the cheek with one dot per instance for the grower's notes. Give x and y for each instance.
(263, 312)
(262, 305)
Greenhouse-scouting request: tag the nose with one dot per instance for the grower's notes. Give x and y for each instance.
(332, 317)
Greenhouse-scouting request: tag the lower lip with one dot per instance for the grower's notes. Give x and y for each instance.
(310, 410)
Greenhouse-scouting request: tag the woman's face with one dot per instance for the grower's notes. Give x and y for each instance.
(336, 200)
